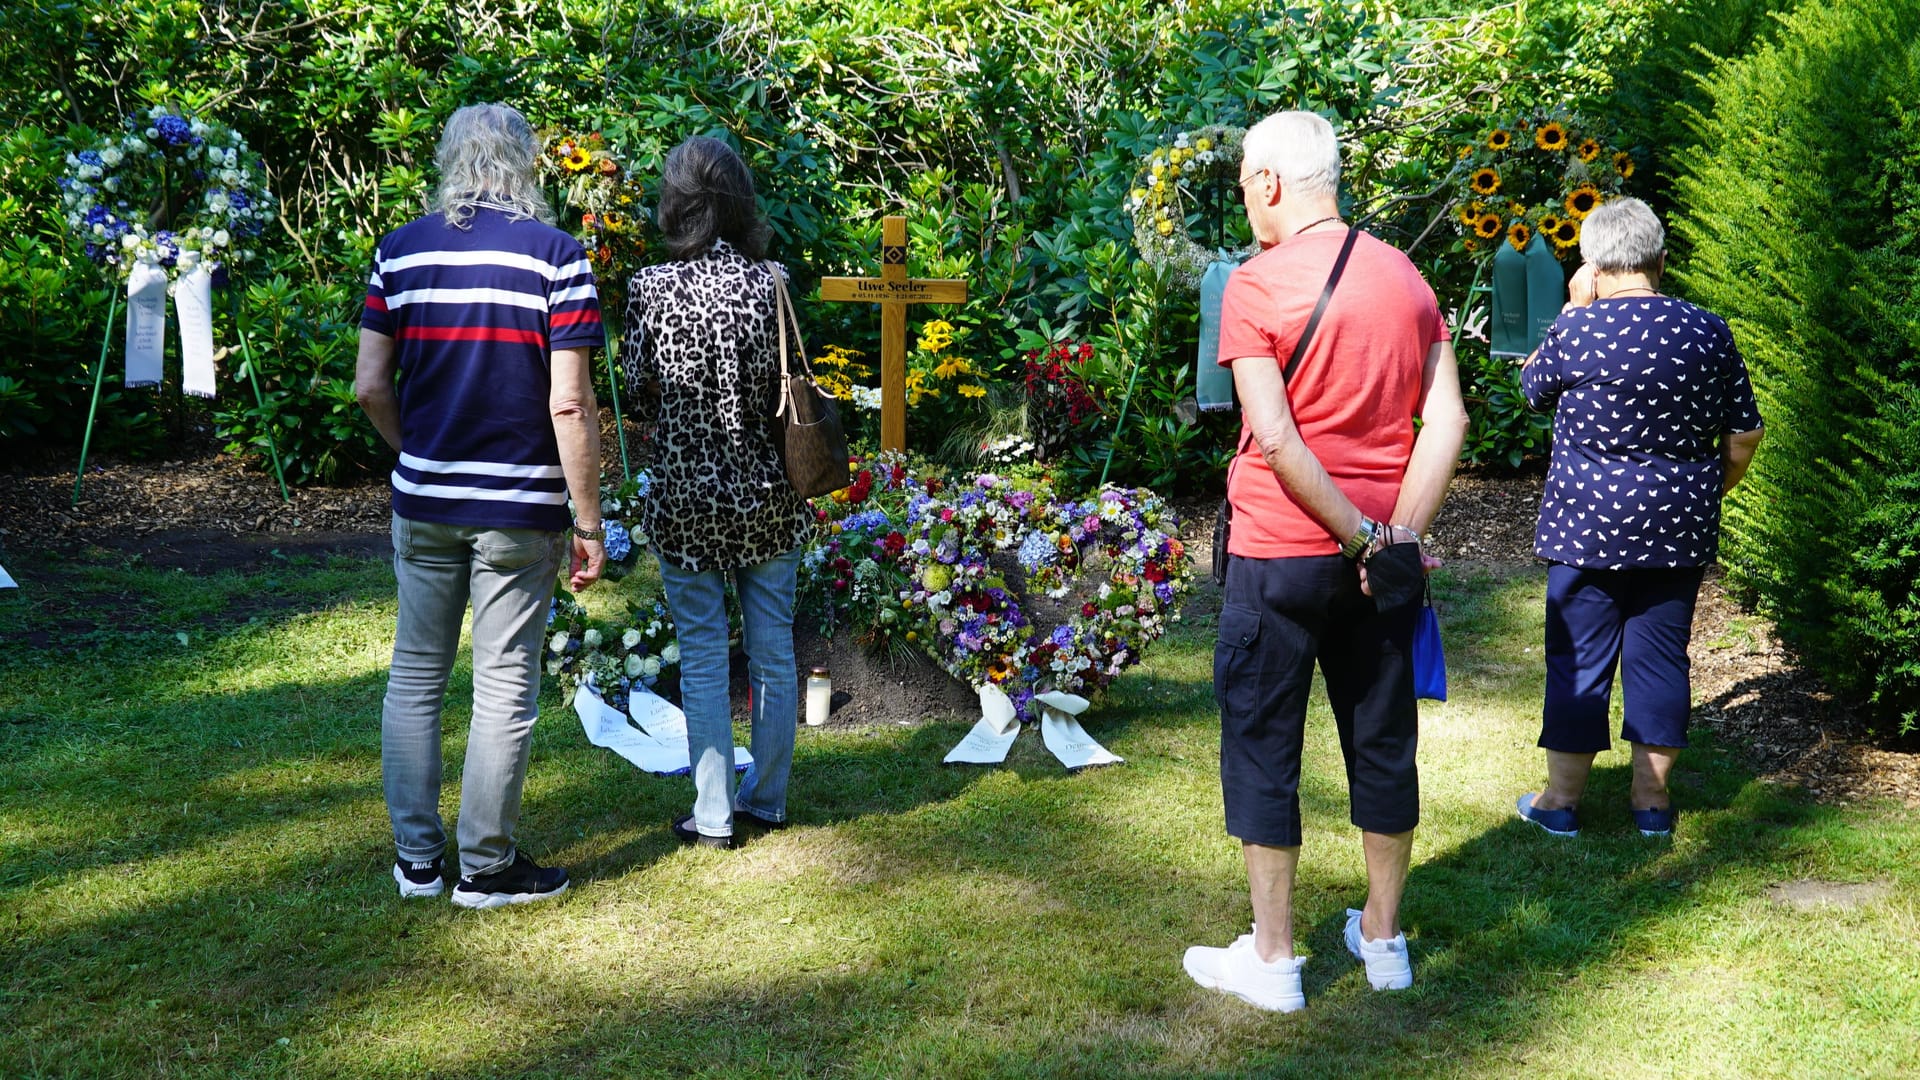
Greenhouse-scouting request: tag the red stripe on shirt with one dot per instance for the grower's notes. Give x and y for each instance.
(376, 303)
(472, 333)
(568, 318)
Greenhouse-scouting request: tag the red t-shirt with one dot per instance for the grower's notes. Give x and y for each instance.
(1358, 387)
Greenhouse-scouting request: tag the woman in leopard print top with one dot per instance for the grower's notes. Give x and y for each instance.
(701, 362)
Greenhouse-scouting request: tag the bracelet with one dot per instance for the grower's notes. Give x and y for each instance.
(589, 534)
(1362, 540)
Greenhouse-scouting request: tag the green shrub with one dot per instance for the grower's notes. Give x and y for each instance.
(1798, 203)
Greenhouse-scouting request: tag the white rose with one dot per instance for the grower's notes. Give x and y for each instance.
(629, 639)
(559, 642)
(220, 238)
(653, 627)
(99, 230)
(553, 667)
(153, 133)
(229, 177)
(112, 183)
(591, 639)
(650, 667)
(216, 201)
(634, 665)
(670, 654)
(129, 241)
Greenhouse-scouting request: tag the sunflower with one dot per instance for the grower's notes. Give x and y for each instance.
(577, 159)
(1485, 181)
(1565, 233)
(1548, 223)
(1469, 213)
(1488, 226)
(1623, 164)
(1551, 136)
(1470, 245)
(1582, 200)
(1499, 139)
(1589, 150)
(1518, 235)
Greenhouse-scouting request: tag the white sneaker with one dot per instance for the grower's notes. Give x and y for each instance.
(1238, 970)
(1387, 965)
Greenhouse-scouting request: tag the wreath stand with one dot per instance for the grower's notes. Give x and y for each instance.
(246, 366)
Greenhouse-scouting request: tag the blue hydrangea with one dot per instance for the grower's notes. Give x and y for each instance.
(643, 484)
(553, 610)
(619, 543)
(865, 520)
(1036, 551)
(90, 157)
(1062, 637)
(174, 130)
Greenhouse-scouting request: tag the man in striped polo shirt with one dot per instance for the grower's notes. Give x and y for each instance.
(488, 315)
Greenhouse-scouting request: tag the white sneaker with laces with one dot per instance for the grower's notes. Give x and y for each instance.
(1238, 970)
(1387, 965)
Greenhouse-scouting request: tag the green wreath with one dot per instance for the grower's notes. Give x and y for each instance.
(1167, 184)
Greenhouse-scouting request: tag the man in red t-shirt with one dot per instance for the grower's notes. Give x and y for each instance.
(1330, 489)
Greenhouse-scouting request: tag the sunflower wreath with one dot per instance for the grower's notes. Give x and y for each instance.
(172, 190)
(590, 181)
(924, 561)
(1168, 185)
(1536, 175)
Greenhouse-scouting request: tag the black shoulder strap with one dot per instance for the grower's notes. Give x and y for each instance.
(1313, 323)
(1319, 309)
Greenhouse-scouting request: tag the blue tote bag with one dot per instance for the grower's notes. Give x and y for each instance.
(1429, 659)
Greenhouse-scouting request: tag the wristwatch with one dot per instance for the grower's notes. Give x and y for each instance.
(1360, 544)
(589, 534)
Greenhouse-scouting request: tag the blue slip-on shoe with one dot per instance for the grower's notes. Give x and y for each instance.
(1654, 822)
(1555, 822)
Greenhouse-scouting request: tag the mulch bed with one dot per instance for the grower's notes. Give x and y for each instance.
(204, 512)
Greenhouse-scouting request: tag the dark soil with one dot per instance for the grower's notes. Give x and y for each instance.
(206, 512)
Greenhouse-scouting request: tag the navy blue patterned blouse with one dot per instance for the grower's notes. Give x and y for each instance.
(1643, 388)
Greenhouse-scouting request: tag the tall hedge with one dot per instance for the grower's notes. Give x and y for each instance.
(1798, 203)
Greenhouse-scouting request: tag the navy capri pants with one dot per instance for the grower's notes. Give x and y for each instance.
(1280, 617)
(1638, 620)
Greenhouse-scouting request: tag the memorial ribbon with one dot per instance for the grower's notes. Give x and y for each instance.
(146, 324)
(193, 299)
(147, 327)
(991, 737)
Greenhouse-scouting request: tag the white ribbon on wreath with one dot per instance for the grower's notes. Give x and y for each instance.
(993, 734)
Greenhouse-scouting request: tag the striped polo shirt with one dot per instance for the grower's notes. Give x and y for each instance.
(475, 313)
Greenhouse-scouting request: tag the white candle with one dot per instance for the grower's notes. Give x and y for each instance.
(819, 696)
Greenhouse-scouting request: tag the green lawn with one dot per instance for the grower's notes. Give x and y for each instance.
(194, 881)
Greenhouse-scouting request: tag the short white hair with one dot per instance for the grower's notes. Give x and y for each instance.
(1300, 149)
(1622, 236)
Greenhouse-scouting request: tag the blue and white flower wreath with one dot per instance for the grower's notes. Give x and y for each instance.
(171, 190)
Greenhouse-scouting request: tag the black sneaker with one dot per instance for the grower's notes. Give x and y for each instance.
(754, 822)
(425, 878)
(524, 882)
(683, 829)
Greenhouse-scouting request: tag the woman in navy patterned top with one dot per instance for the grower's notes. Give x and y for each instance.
(1654, 420)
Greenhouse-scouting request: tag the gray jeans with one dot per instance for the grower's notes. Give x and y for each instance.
(508, 574)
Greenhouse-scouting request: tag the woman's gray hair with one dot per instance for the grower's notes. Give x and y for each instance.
(1301, 150)
(1622, 236)
(486, 157)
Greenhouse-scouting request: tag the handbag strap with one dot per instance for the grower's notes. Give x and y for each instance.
(783, 314)
(1300, 347)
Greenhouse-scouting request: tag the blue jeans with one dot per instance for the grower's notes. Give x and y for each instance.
(1637, 620)
(507, 576)
(698, 600)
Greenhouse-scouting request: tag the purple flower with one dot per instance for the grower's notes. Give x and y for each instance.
(986, 480)
(1164, 591)
(1062, 637)
(174, 130)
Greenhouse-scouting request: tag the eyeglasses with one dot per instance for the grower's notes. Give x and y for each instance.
(1250, 176)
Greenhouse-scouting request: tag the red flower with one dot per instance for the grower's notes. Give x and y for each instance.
(1154, 572)
(842, 565)
(1089, 610)
(895, 543)
(840, 584)
(946, 513)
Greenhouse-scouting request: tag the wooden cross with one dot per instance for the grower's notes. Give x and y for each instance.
(893, 290)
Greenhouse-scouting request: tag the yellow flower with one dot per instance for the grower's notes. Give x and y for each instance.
(1468, 213)
(1623, 164)
(1139, 193)
(1488, 226)
(953, 367)
(1173, 171)
(1551, 136)
(1548, 223)
(1203, 144)
(1470, 244)
(1589, 150)
(972, 390)
(1518, 235)
(1565, 234)
(1499, 139)
(1165, 228)
(1486, 181)
(614, 222)
(1159, 171)
(577, 159)
(1582, 200)
(1464, 152)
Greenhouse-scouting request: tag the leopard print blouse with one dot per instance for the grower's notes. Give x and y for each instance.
(700, 357)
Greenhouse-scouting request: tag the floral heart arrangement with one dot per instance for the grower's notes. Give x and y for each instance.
(172, 190)
(1170, 182)
(965, 570)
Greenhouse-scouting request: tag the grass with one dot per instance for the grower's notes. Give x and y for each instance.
(194, 854)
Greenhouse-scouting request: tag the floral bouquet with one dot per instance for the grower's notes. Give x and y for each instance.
(171, 190)
(643, 652)
(1539, 174)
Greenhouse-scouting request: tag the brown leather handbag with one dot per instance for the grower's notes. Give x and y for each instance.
(806, 424)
